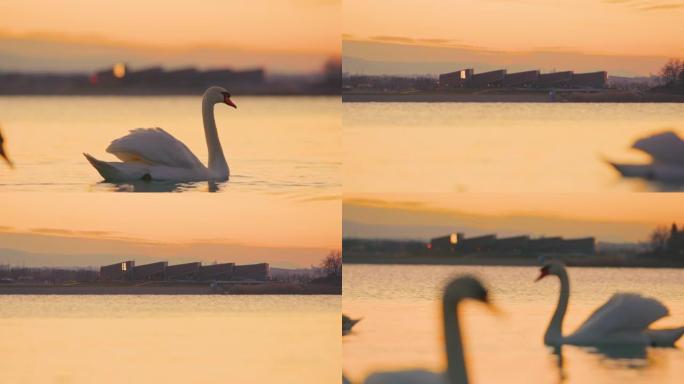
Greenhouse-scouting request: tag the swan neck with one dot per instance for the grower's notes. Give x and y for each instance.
(456, 366)
(554, 334)
(216, 162)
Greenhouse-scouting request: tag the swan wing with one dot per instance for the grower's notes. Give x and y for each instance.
(153, 146)
(665, 147)
(407, 377)
(624, 313)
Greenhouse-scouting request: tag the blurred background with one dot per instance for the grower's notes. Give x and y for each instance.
(166, 47)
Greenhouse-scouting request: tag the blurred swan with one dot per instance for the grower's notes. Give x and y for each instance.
(666, 150)
(622, 320)
(153, 154)
(348, 323)
(459, 289)
(3, 154)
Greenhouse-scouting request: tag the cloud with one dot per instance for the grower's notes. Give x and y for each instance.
(662, 7)
(393, 39)
(646, 6)
(66, 232)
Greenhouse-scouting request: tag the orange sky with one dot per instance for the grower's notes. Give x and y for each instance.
(156, 225)
(285, 25)
(632, 27)
(252, 32)
(403, 37)
(615, 216)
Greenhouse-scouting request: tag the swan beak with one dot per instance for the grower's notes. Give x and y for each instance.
(542, 275)
(228, 101)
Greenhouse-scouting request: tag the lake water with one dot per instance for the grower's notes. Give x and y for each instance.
(276, 145)
(402, 323)
(170, 339)
(497, 147)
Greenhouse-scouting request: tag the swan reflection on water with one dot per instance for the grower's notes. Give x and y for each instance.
(634, 357)
(159, 186)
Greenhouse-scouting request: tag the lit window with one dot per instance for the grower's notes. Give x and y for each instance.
(119, 70)
(123, 266)
(463, 75)
(453, 239)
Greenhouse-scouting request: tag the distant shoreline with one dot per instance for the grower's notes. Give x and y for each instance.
(511, 261)
(506, 96)
(171, 289)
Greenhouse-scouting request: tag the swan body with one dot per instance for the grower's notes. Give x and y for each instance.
(154, 154)
(459, 289)
(666, 150)
(622, 320)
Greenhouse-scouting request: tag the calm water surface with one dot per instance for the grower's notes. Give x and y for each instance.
(278, 145)
(402, 323)
(169, 339)
(497, 147)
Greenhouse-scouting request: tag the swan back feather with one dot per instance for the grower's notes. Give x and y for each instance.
(665, 147)
(153, 146)
(623, 314)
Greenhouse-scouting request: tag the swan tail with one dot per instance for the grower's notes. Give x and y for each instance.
(664, 337)
(118, 171)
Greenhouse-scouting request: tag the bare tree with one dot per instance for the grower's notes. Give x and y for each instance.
(332, 264)
(671, 71)
(659, 238)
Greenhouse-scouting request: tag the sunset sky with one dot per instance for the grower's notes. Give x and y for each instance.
(283, 35)
(619, 217)
(582, 34)
(93, 228)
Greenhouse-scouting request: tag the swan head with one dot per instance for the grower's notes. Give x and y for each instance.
(552, 267)
(217, 95)
(465, 287)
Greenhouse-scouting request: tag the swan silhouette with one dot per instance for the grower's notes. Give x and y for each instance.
(666, 150)
(153, 154)
(348, 323)
(465, 287)
(3, 154)
(622, 320)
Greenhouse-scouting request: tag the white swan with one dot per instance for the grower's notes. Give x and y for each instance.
(3, 154)
(461, 288)
(622, 320)
(666, 150)
(153, 154)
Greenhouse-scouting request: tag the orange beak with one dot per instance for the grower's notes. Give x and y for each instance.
(227, 100)
(543, 273)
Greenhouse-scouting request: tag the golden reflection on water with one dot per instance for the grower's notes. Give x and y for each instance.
(496, 147)
(280, 145)
(167, 339)
(402, 324)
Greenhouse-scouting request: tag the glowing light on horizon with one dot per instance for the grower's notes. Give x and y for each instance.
(119, 70)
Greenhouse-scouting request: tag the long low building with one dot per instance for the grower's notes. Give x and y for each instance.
(118, 271)
(467, 78)
(487, 79)
(252, 271)
(152, 271)
(223, 271)
(517, 245)
(159, 271)
(182, 271)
